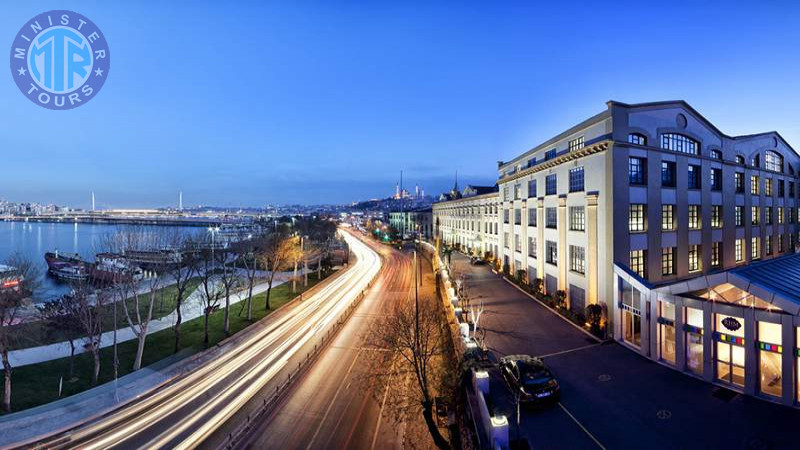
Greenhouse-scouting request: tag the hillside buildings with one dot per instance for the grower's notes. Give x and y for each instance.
(684, 234)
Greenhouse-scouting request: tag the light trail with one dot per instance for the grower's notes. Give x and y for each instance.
(228, 382)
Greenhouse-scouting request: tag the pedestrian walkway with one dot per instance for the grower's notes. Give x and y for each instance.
(191, 308)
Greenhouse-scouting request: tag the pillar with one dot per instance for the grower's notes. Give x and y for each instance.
(591, 249)
(562, 245)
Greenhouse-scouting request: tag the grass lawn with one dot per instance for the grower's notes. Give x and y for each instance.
(37, 384)
(34, 334)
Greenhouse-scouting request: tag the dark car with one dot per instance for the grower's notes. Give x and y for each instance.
(530, 379)
(476, 261)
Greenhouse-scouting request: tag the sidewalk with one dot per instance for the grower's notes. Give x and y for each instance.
(191, 308)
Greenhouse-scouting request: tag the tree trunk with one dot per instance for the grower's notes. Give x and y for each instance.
(178, 328)
(205, 328)
(227, 312)
(7, 384)
(96, 353)
(137, 363)
(269, 289)
(250, 302)
(438, 439)
(71, 359)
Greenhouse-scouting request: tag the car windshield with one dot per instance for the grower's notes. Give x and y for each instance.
(533, 374)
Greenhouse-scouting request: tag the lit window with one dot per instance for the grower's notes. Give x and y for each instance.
(716, 258)
(739, 181)
(576, 144)
(754, 185)
(768, 244)
(739, 250)
(781, 218)
(577, 260)
(773, 161)
(636, 218)
(694, 258)
(638, 262)
(768, 187)
(679, 143)
(768, 215)
(755, 247)
(716, 154)
(577, 218)
(755, 215)
(740, 160)
(695, 220)
(739, 217)
(716, 216)
(668, 261)
(667, 217)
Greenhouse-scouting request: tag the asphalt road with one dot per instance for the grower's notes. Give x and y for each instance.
(330, 407)
(205, 403)
(612, 397)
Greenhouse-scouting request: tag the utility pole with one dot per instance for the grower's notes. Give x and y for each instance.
(416, 305)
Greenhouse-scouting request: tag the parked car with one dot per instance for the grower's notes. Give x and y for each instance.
(530, 378)
(475, 261)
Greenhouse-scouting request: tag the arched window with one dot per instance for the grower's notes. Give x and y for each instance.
(740, 160)
(637, 138)
(756, 162)
(773, 161)
(679, 143)
(791, 169)
(716, 154)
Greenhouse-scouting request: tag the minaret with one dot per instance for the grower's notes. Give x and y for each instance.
(93, 201)
(180, 201)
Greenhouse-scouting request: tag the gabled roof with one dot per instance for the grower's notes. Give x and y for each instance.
(471, 190)
(780, 276)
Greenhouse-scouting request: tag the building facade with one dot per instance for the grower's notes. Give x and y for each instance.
(652, 212)
(413, 222)
(469, 221)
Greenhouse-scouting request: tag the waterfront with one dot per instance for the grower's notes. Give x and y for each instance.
(32, 240)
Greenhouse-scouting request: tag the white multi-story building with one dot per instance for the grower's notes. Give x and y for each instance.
(685, 235)
(468, 220)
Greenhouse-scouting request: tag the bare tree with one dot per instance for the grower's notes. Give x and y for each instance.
(226, 259)
(89, 310)
(61, 322)
(181, 271)
(210, 292)
(17, 285)
(247, 251)
(412, 340)
(277, 255)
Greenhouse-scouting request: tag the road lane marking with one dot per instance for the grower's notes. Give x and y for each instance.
(563, 352)
(330, 406)
(581, 425)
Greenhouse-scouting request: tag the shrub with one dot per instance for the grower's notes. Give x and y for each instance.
(594, 314)
(538, 285)
(560, 298)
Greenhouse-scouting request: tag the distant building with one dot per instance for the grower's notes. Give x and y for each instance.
(412, 222)
(468, 220)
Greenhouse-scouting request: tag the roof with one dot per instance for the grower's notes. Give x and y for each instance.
(780, 276)
(479, 190)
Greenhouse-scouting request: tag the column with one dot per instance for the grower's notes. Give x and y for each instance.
(562, 245)
(788, 357)
(591, 249)
(540, 256)
(751, 369)
(708, 341)
(680, 335)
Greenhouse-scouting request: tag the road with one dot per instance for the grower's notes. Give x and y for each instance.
(330, 407)
(188, 410)
(612, 397)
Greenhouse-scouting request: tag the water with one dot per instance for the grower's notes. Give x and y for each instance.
(33, 240)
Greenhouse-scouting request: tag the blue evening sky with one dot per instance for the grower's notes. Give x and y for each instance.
(248, 103)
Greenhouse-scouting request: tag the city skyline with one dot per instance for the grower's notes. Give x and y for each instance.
(396, 100)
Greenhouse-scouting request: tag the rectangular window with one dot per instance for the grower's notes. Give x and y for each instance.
(551, 217)
(781, 188)
(518, 244)
(716, 179)
(532, 217)
(780, 244)
(637, 171)
(576, 179)
(636, 138)
(667, 217)
(694, 177)
(791, 189)
(550, 184)
(781, 215)
(770, 339)
(716, 216)
(667, 174)
(739, 181)
(550, 154)
(739, 254)
(694, 258)
(576, 144)
(531, 188)
(666, 331)
(577, 218)
(716, 256)
(754, 185)
(695, 220)
(768, 244)
(668, 261)
(637, 219)
(638, 262)
(768, 215)
(551, 252)
(532, 247)
(577, 259)
(505, 240)
(755, 247)
(768, 187)
(505, 215)
(755, 215)
(739, 210)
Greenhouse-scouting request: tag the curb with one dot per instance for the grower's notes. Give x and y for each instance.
(595, 338)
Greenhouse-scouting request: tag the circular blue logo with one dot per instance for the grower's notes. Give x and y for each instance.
(60, 59)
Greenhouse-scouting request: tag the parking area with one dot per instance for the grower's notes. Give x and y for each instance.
(610, 396)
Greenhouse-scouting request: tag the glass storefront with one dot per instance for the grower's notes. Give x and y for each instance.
(631, 314)
(694, 340)
(666, 331)
(729, 349)
(769, 358)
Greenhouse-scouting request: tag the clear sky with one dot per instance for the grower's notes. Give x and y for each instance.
(247, 103)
